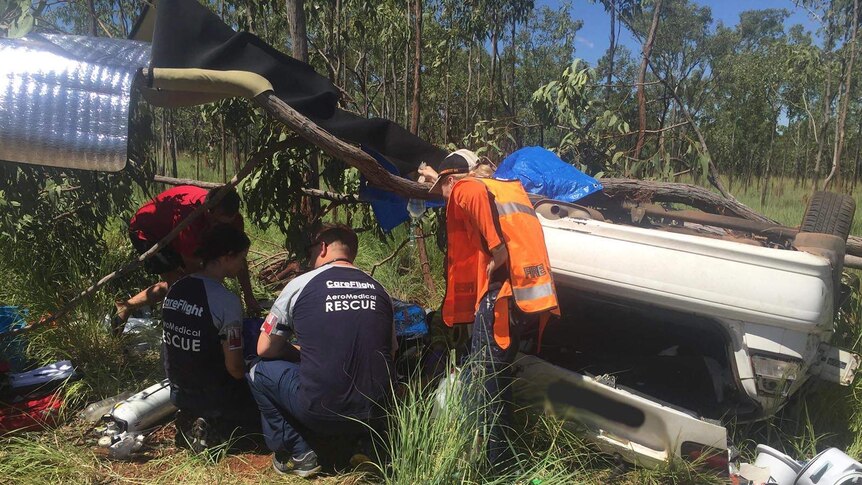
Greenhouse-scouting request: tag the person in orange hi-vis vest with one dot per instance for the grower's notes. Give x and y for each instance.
(497, 277)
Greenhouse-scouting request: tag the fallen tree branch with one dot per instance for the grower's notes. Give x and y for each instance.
(320, 194)
(340, 150)
(854, 246)
(389, 258)
(694, 196)
(675, 192)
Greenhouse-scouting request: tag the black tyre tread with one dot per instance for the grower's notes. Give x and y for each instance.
(829, 213)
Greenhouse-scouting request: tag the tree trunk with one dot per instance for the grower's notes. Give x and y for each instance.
(447, 89)
(164, 144)
(94, 21)
(223, 151)
(469, 87)
(647, 49)
(856, 160)
(713, 176)
(384, 112)
(173, 137)
(296, 24)
(494, 52)
(414, 128)
(827, 98)
(845, 103)
(406, 71)
(124, 24)
(417, 66)
(299, 49)
(611, 50)
(512, 75)
(764, 193)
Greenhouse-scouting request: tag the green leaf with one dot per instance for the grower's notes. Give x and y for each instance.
(22, 26)
(703, 161)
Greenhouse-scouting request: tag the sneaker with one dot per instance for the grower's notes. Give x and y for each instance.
(200, 430)
(304, 466)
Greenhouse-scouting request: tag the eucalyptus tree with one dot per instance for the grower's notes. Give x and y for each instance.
(748, 92)
(617, 11)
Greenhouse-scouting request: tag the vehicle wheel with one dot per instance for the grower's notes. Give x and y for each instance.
(829, 213)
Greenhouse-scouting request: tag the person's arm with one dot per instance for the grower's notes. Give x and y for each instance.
(499, 257)
(273, 342)
(227, 316)
(233, 360)
(276, 346)
(472, 196)
(244, 278)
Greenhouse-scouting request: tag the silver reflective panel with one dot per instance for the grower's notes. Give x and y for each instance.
(64, 100)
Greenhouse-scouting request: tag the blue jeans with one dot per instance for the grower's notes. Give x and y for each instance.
(494, 364)
(286, 422)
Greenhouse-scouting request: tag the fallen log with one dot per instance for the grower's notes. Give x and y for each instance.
(854, 247)
(673, 192)
(695, 196)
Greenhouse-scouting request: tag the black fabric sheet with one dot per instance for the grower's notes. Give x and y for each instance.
(189, 35)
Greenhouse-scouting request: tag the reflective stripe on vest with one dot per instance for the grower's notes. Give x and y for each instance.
(533, 292)
(508, 208)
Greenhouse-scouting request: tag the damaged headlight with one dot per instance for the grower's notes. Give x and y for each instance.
(775, 376)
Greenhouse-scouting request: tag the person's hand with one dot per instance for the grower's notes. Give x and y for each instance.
(428, 173)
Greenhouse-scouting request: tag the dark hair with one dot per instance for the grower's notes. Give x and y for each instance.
(342, 233)
(222, 240)
(229, 204)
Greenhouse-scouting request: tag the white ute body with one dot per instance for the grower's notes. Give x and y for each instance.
(774, 305)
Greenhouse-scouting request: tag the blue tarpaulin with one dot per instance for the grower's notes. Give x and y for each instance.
(541, 172)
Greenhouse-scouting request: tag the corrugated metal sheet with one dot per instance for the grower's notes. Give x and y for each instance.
(64, 100)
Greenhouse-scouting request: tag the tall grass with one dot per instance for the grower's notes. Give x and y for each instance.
(434, 438)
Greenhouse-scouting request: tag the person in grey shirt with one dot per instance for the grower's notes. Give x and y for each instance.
(202, 343)
(339, 373)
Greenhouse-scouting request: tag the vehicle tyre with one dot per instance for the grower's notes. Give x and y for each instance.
(829, 213)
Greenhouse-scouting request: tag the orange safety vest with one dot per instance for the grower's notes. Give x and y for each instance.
(529, 279)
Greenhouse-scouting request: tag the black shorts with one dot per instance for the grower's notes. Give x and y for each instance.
(165, 261)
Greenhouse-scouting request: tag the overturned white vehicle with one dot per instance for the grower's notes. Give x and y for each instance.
(673, 322)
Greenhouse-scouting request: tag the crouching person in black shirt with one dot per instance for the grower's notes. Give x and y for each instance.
(334, 380)
(202, 345)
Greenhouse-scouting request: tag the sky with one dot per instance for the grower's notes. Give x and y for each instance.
(593, 38)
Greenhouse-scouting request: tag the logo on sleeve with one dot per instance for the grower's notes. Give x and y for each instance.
(234, 338)
(269, 324)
